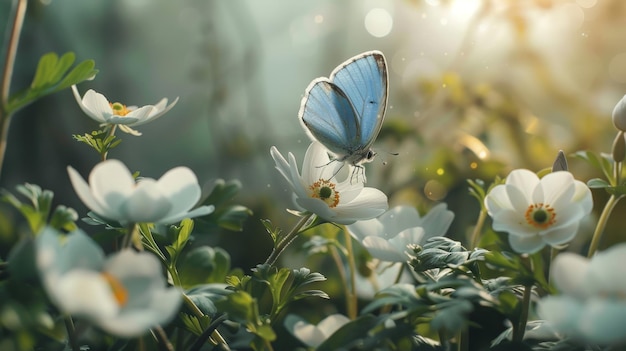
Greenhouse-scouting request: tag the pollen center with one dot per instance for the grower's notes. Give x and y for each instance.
(119, 109)
(117, 288)
(325, 191)
(540, 215)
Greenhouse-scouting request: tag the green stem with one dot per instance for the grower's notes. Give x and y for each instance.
(111, 133)
(478, 228)
(164, 342)
(197, 312)
(5, 86)
(282, 244)
(334, 252)
(463, 342)
(518, 333)
(71, 333)
(602, 221)
(131, 230)
(351, 294)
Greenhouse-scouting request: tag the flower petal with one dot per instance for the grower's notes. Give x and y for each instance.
(180, 186)
(526, 243)
(83, 191)
(381, 249)
(111, 184)
(146, 204)
(569, 272)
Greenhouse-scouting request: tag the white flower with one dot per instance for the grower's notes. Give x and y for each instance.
(96, 106)
(536, 212)
(592, 307)
(112, 193)
(318, 191)
(386, 237)
(124, 294)
(315, 335)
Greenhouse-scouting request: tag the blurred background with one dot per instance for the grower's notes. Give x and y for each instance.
(477, 88)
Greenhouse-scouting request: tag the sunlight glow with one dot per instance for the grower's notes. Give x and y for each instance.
(378, 22)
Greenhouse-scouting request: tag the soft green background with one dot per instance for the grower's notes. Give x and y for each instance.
(476, 88)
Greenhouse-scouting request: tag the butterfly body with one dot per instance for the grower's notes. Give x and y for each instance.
(345, 111)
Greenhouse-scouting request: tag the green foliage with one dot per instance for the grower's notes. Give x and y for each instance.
(100, 140)
(53, 74)
(37, 211)
(227, 216)
(203, 265)
(602, 162)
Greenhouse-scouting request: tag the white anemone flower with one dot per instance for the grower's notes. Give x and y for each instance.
(112, 193)
(125, 294)
(317, 189)
(592, 304)
(536, 212)
(386, 237)
(315, 335)
(98, 107)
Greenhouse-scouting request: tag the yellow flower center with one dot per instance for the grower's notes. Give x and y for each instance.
(325, 191)
(540, 215)
(117, 288)
(119, 109)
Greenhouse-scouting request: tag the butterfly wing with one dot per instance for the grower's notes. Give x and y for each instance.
(364, 81)
(346, 111)
(329, 117)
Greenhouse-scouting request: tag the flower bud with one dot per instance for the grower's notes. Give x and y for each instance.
(560, 164)
(619, 115)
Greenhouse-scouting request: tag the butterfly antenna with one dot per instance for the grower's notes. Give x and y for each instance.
(390, 153)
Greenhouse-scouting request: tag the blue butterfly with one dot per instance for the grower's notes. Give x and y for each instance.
(346, 111)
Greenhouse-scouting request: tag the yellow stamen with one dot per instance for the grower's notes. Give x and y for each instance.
(119, 109)
(325, 191)
(540, 215)
(117, 288)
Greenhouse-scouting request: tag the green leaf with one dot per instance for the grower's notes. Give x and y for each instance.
(181, 236)
(206, 296)
(64, 218)
(82, 72)
(230, 217)
(204, 265)
(349, 335)
(600, 162)
(597, 183)
(51, 76)
(37, 211)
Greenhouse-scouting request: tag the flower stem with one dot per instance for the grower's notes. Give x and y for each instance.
(71, 333)
(111, 133)
(518, 333)
(197, 312)
(5, 86)
(478, 228)
(282, 244)
(164, 342)
(351, 294)
(131, 230)
(602, 221)
(342, 274)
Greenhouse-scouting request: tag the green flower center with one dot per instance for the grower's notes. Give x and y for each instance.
(541, 216)
(325, 191)
(119, 109)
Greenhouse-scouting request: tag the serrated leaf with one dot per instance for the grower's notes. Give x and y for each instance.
(64, 218)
